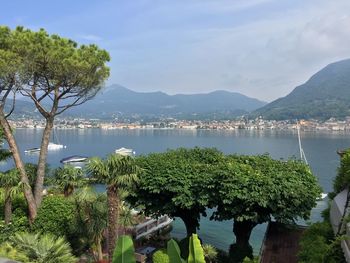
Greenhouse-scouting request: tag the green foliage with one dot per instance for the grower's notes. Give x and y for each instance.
(196, 254)
(286, 190)
(342, 180)
(10, 252)
(177, 183)
(55, 216)
(116, 170)
(210, 253)
(174, 253)
(4, 153)
(318, 245)
(43, 248)
(160, 257)
(124, 251)
(325, 95)
(90, 220)
(68, 178)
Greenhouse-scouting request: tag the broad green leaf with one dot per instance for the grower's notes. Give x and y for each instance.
(173, 251)
(124, 251)
(195, 250)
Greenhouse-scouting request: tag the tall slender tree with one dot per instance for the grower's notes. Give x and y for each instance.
(56, 74)
(117, 172)
(10, 68)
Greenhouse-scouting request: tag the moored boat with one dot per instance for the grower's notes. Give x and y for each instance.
(32, 150)
(124, 151)
(74, 159)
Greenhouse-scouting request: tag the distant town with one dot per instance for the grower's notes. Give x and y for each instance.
(240, 124)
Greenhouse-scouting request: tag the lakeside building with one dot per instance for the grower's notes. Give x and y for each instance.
(258, 124)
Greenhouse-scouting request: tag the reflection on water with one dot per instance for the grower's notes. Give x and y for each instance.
(320, 150)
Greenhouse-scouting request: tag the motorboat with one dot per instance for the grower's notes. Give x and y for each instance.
(32, 150)
(74, 159)
(53, 146)
(125, 151)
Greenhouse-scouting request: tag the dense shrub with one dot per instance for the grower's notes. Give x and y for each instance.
(160, 257)
(56, 216)
(318, 245)
(342, 180)
(19, 222)
(19, 205)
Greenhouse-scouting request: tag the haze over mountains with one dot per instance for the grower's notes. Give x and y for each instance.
(326, 94)
(120, 100)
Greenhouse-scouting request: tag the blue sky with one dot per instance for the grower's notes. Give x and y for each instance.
(261, 48)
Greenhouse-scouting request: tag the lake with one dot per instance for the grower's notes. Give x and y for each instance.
(320, 150)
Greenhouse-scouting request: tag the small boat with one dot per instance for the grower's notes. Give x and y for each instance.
(74, 159)
(324, 195)
(124, 151)
(53, 146)
(32, 150)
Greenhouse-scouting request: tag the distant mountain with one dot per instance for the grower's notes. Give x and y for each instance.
(118, 100)
(22, 107)
(326, 94)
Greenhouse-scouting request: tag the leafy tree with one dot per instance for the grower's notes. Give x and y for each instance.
(254, 189)
(117, 172)
(68, 178)
(56, 74)
(177, 183)
(10, 184)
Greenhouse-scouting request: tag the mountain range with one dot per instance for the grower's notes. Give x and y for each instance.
(326, 94)
(117, 100)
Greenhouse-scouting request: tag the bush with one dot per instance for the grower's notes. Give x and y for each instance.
(19, 220)
(318, 245)
(56, 216)
(160, 257)
(8, 251)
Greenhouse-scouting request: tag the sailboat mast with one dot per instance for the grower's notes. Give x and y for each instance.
(301, 151)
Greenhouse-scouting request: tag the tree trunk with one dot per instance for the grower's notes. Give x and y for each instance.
(190, 221)
(242, 248)
(242, 231)
(20, 166)
(8, 208)
(40, 175)
(99, 250)
(113, 217)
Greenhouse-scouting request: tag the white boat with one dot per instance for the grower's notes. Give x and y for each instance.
(74, 159)
(125, 151)
(32, 150)
(53, 146)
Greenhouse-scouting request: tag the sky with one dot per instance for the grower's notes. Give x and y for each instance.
(260, 48)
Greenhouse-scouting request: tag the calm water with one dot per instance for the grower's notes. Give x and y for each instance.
(320, 150)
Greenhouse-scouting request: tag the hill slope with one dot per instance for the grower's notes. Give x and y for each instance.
(119, 100)
(326, 94)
